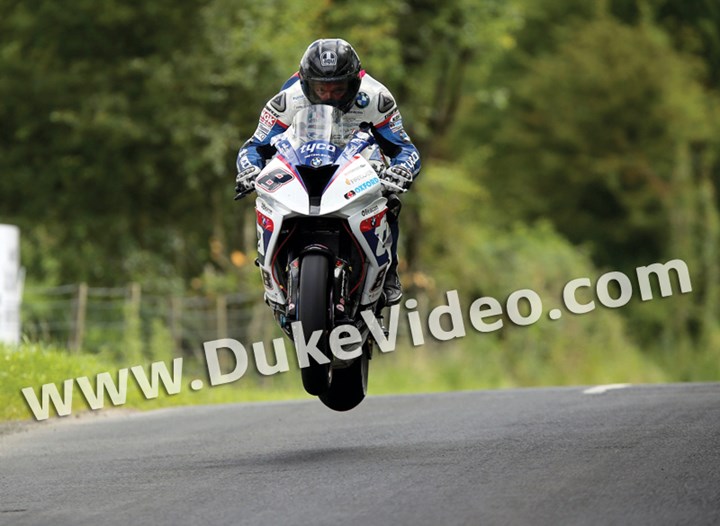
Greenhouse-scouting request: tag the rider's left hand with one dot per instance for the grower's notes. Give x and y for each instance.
(396, 179)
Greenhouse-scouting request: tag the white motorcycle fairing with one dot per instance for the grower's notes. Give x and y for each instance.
(314, 185)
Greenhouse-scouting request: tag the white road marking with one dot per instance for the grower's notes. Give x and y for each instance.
(600, 389)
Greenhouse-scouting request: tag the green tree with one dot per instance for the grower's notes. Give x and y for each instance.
(609, 132)
(120, 125)
(590, 138)
(430, 55)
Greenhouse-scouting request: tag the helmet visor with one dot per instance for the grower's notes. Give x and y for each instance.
(329, 92)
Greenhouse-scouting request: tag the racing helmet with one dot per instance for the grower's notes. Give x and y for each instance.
(330, 73)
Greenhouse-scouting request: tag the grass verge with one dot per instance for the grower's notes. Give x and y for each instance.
(33, 365)
(472, 364)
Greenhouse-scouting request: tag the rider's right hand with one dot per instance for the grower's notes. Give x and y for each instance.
(245, 180)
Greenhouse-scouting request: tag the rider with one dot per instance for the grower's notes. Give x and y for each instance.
(330, 73)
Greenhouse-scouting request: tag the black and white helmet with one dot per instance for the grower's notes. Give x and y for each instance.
(330, 73)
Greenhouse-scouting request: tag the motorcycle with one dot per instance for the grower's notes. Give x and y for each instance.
(324, 245)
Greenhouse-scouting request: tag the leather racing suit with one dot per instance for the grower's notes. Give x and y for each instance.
(374, 107)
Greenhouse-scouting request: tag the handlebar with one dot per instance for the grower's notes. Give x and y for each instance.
(241, 195)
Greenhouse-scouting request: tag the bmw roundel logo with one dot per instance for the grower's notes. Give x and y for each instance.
(316, 161)
(362, 100)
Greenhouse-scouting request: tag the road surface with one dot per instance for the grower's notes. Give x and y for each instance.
(633, 455)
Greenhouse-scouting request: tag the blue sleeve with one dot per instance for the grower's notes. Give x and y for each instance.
(398, 146)
(256, 150)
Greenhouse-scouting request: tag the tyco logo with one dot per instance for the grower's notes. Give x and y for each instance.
(317, 146)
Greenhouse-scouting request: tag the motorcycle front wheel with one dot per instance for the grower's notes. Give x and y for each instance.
(314, 313)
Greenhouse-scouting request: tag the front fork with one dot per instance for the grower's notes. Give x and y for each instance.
(340, 297)
(343, 310)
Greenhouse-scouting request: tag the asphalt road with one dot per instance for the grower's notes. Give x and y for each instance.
(638, 455)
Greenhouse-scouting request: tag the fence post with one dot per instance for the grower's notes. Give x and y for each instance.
(132, 337)
(135, 292)
(221, 316)
(176, 314)
(80, 313)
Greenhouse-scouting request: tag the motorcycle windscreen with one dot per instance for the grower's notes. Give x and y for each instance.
(317, 153)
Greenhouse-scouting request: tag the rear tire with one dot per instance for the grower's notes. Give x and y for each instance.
(348, 386)
(314, 314)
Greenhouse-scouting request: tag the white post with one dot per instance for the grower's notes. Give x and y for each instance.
(11, 284)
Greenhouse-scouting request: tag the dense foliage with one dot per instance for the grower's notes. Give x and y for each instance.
(551, 130)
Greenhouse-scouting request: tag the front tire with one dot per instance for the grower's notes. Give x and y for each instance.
(314, 314)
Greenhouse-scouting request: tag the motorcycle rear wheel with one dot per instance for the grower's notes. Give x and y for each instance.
(314, 314)
(348, 386)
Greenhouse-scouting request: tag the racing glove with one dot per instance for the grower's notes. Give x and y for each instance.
(245, 180)
(396, 179)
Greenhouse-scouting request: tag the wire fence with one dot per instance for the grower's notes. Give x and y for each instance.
(96, 318)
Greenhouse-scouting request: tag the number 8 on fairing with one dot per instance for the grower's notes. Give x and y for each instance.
(274, 180)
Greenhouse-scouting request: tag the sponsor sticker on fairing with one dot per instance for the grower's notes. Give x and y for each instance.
(362, 187)
(318, 153)
(265, 222)
(371, 223)
(370, 210)
(265, 208)
(353, 180)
